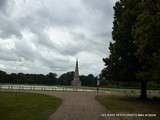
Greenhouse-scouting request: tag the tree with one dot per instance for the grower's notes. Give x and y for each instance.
(51, 78)
(147, 39)
(21, 78)
(66, 78)
(135, 52)
(3, 76)
(122, 63)
(89, 80)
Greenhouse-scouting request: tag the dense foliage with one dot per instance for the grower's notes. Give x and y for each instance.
(21, 78)
(122, 63)
(88, 80)
(49, 79)
(135, 52)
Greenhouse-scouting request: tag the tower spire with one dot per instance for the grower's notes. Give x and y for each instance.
(76, 81)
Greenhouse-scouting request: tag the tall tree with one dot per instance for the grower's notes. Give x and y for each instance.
(122, 64)
(147, 39)
(135, 52)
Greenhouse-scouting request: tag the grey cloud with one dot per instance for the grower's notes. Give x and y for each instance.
(88, 22)
(104, 7)
(6, 56)
(8, 28)
(3, 4)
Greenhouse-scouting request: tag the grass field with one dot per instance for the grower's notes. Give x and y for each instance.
(27, 106)
(129, 104)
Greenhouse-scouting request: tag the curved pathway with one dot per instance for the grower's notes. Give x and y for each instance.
(77, 106)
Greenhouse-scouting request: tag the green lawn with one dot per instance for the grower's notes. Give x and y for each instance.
(27, 106)
(131, 104)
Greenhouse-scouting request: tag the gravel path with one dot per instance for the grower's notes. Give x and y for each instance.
(78, 106)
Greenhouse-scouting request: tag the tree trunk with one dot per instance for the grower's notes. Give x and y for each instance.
(143, 89)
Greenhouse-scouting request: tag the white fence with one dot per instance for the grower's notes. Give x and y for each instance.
(43, 88)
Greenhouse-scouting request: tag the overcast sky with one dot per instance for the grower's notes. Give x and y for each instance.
(41, 36)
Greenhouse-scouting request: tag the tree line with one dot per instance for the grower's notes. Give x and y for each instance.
(135, 50)
(48, 79)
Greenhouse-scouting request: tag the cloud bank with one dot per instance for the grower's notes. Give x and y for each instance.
(38, 36)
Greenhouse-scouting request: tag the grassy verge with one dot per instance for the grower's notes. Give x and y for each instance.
(27, 106)
(129, 104)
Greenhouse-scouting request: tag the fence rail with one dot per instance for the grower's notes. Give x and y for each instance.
(45, 88)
